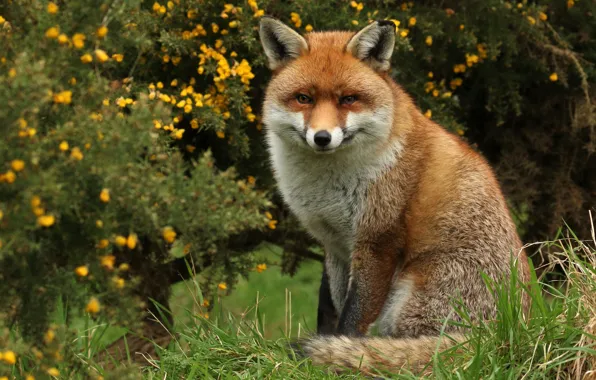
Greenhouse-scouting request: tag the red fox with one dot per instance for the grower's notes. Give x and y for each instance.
(409, 215)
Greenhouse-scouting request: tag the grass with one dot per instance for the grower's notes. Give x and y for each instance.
(555, 339)
(287, 305)
(245, 338)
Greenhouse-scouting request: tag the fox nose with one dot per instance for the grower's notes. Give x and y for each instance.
(322, 138)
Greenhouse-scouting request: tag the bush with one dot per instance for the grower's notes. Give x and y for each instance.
(132, 141)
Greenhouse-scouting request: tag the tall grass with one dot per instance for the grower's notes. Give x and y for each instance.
(554, 339)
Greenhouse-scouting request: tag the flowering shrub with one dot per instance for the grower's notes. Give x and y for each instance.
(131, 134)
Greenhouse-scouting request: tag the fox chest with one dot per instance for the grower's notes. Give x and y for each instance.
(328, 204)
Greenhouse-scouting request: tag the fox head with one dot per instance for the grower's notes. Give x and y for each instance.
(330, 90)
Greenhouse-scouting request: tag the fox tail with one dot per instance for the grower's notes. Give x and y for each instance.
(380, 354)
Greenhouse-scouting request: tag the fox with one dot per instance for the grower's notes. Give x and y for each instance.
(409, 215)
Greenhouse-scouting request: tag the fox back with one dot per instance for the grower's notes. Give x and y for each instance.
(409, 215)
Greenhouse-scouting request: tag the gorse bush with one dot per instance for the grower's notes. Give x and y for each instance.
(131, 138)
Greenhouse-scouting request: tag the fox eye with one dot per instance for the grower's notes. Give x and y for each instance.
(304, 99)
(347, 100)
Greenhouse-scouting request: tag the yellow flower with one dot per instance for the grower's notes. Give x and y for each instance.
(63, 146)
(62, 39)
(272, 224)
(222, 286)
(233, 24)
(131, 241)
(53, 32)
(54, 371)
(120, 240)
(354, 22)
(107, 261)
(17, 165)
(259, 13)
(428, 113)
(261, 267)
(462, 27)
(118, 57)
(435, 93)
(205, 303)
(459, 68)
(38, 211)
(102, 31)
(412, 21)
(118, 282)
(570, 3)
(101, 56)
(460, 132)
(430, 74)
(308, 28)
(169, 235)
(46, 220)
(93, 306)
(86, 58)
(99, 223)
(268, 215)
(1, 214)
(49, 336)
(177, 134)
(29, 377)
(542, 16)
(82, 271)
(295, 17)
(103, 243)
(396, 22)
(124, 267)
(553, 77)
(35, 201)
(9, 357)
(76, 153)
(429, 40)
(2, 20)
(251, 180)
(12, 73)
(9, 177)
(63, 97)
(104, 195)
(220, 134)
(78, 40)
(455, 83)
(404, 33)
(52, 8)
(531, 20)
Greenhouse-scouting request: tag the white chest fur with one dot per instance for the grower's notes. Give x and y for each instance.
(326, 192)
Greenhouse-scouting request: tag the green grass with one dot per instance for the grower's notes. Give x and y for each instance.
(286, 305)
(555, 340)
(239, 340)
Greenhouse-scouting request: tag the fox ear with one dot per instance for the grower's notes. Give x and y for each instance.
(281, 43)
(374, 44)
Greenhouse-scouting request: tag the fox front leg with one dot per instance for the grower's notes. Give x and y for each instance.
(371, 277)
(326, 313)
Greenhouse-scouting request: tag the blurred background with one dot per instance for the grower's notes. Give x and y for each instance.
(134, 176)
